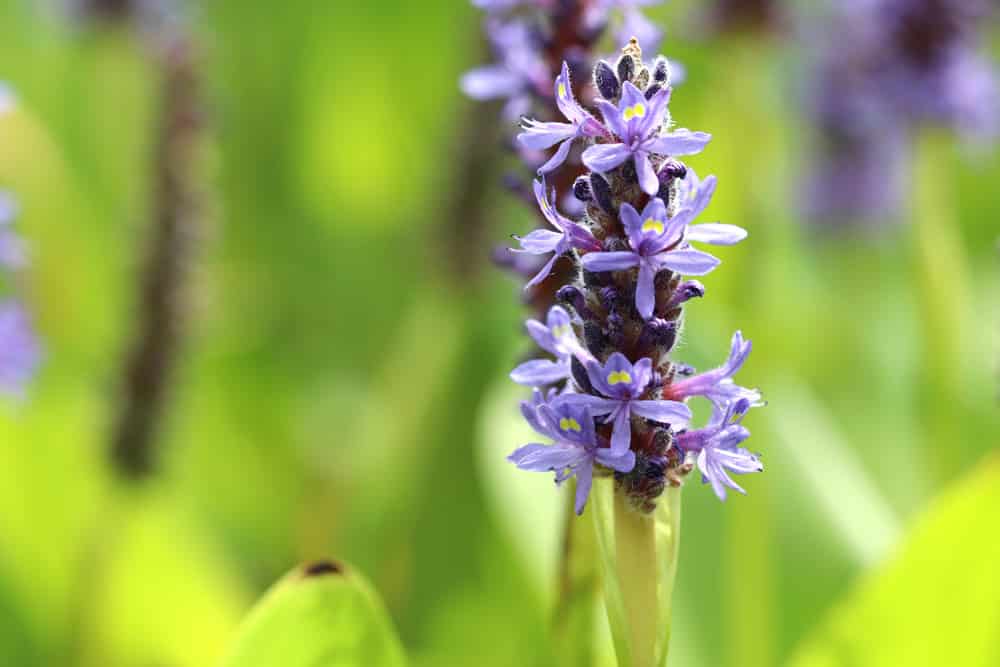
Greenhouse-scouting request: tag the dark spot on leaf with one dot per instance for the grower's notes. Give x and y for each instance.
(322, 568)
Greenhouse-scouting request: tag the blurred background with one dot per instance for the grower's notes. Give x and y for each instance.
(341, 385)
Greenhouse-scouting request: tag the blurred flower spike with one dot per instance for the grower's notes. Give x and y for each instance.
(19, 348)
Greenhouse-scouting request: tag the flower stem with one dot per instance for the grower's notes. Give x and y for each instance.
(639, 557)
(579, 577)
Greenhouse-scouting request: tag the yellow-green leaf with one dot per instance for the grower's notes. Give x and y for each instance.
(321, 615)
(937, 602)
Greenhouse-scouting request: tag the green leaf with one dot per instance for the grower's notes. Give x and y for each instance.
(321, 615)
(937, 602)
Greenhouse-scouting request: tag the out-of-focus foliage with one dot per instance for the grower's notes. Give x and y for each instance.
(343, 393)
(933, 602)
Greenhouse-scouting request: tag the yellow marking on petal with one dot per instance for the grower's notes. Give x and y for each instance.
(560, 331)
(616, 377)
(652, 225)
(569, 424)
(562, 90)
(639, 109)
(628, 114)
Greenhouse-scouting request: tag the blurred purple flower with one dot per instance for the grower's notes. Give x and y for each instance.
(885, 69)
(519, 73)
(19, 349)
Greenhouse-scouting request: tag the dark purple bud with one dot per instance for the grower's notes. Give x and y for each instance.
(626, 68)
(610, 298)
(593, 337)
(672, 169)
(658, 332)
(606, 81)
(571, 295)
(655, 467)
(689, 289)
(683, 370)
(601, 190)
(661, 70)
(581, 189)
(652, 90)
(580, 376)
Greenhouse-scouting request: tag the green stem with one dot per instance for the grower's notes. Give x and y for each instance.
(639, 558)
(943, 296)
(573, 616)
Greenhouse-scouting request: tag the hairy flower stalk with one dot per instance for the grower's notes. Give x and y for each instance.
(606, 392)
(175, 211)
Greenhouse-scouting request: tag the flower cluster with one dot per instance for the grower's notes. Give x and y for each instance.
(886, 68)
(607, 394)
(19, 350)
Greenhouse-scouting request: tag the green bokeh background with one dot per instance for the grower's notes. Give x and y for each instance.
(343, 391)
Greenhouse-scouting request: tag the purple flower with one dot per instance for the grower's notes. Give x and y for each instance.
(694, 196)
(19, 350)
(544, 241)
(622, 384)
(655, 241)
(520, 72)
(575, 451)
(717, 384)
(12, 250)
(634, 22)
(556, 336)
(7, 98)
(636, 123)
(539, 136)
(717, 448)
(885, 69)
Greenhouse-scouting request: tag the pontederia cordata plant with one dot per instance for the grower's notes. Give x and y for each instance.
(607, 395)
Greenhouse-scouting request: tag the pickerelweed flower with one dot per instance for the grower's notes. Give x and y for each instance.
(19, 349)
(557, 337)
(622, 383)
(576, 448)
(636, 123)
(539, 136)
(544, 241)
(614, 401)
(885, 69)
(716, 448)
